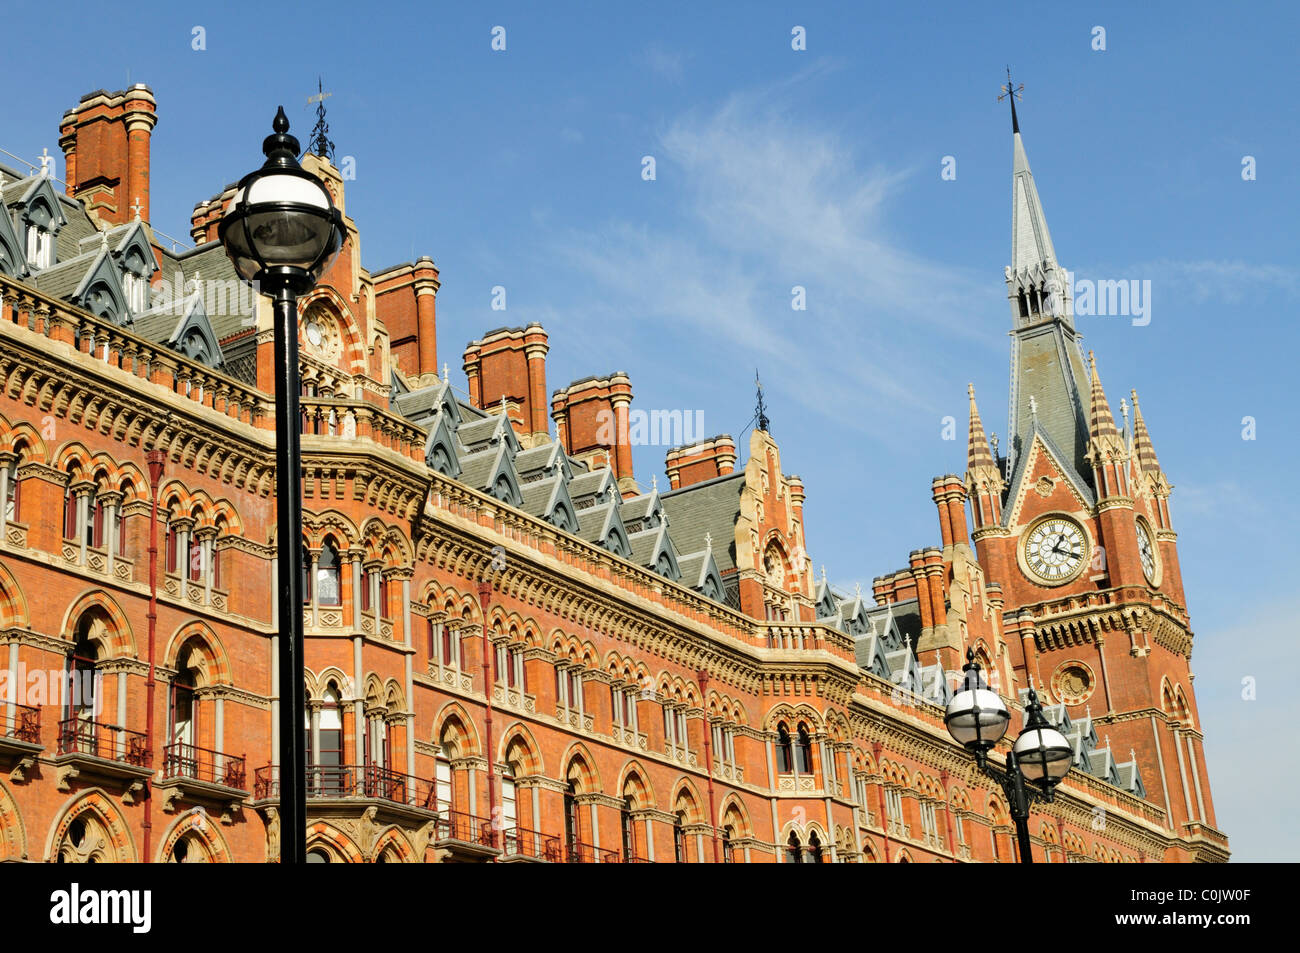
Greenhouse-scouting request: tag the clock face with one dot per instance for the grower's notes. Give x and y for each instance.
(1055, 549)
(1147, 550)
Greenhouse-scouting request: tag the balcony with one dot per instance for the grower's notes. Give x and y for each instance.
(576, 852)
(202, 776)
(96, 751)
(20, 739)
(520, 845)
(467, 837)
(343, 789)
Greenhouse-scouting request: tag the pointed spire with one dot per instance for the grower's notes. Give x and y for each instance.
(1142, 448)
(1031, 242)
(1102, 422)
(977, 448)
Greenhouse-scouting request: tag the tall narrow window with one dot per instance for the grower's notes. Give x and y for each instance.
(442, 786)
(327, 576)
(784, 753)
(195, 567)
(11, 491)
(805, 750)
(679, 838)
(81, 677)
(70, 515)
(331, 743)
(572, 827)
(306, 574)
(95, 522)
(509, 808)
(726, 844)
(625, 822)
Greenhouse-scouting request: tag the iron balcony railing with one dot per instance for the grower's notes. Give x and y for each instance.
(26, 725)
(522, 842)
(351, 781)
(576, 852)
(83, 736)
(202, 764)
(467, 828)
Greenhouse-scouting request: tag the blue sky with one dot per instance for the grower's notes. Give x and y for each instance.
(818, 168)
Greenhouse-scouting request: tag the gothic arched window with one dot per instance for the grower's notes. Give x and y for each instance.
(805, 750)
(328, 591)
(784, 753)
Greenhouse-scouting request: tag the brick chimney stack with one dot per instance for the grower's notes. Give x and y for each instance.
(105, 141)
(406, 301)
(591, 422)
(510, 364)
(700, 461)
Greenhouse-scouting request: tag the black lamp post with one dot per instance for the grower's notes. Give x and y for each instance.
(1038, 761)
(281, 232)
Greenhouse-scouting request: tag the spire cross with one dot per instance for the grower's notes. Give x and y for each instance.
(708, 541)
(1013, 93)
(137, 207)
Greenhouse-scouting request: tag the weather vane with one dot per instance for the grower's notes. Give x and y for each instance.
(761, 411)
(320, 142)
(1013, 93)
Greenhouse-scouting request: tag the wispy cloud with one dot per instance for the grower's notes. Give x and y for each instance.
(667, 64)
(1226, 281)
(761, 200)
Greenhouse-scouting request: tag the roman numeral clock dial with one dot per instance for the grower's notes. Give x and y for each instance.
(1055, 550)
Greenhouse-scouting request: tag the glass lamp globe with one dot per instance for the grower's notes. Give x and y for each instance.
(281, 227)
(1043, 753)
(976, 717)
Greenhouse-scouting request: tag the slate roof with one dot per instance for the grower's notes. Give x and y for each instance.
(710, 507)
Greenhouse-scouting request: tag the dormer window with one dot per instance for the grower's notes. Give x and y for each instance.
(137, 291)
(40, 247)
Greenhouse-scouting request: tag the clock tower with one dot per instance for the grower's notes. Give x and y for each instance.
(1073, 523)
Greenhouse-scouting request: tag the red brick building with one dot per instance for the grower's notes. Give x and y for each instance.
(647, 675)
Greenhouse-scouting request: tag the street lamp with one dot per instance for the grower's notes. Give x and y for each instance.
(977, 719)
(281, 231)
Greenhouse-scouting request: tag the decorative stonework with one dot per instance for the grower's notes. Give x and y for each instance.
(1073, 683)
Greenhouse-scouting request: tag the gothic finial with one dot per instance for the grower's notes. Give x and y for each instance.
(993, 442)
(137, 208)
(761, 411)
(445, 372)
(857, 589)
(823, 574)
(103, 240)
(1013, 93)
(708, 542)
(654, 482)
(320, 142)
(1033, 407)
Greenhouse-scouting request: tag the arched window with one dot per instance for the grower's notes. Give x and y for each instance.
(814, 849)
(784, 752)
(510, 807)
(11, 491)
(82, 663)
(629, 833)
(317, 856)
(183, 718)
(805, 750)
(169, 547)
(793, 849)
(727, 833)
(306, 574)
(328, 761)
(69, 514)
(572, 821)
(328, 592)
(679, 837)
